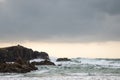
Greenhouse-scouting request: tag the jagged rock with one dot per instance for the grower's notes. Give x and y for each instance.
(10, 54)
(18, 66)
(63, 59)
(46, 62)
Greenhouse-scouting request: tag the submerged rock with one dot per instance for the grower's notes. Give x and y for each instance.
(46, 62)
(10, 54)
(63, 59)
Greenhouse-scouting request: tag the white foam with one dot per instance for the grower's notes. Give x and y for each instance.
(37, 60)
(65, 78)
(65, 72)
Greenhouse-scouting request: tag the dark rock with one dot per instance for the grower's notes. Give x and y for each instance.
(42, 55)
(63, 59)
(19, 66)
(10, 54)
(46, 62)
(59, 64)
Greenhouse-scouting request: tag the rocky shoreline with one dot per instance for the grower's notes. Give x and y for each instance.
(15, 59)
(19, 66)
(10, 54)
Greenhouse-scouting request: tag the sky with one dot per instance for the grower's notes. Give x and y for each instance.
(63, 28)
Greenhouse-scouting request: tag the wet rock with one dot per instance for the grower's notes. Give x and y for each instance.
(46, 62)
(19, 66)
(10, 54)
(63, 59)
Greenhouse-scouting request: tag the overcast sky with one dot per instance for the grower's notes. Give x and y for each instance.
(60, 20)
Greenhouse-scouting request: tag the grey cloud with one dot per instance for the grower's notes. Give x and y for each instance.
(111, 7)
(60, 20)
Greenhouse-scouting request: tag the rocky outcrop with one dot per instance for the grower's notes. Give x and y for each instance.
(10, 54)
(19, 66)
(63, 59)
(46, 62)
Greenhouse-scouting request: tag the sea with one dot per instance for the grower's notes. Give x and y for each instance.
(76, 69)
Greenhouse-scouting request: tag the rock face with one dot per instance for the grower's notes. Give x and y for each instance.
(63, 59)
(19, 66)
(46, 62)
(10, 54)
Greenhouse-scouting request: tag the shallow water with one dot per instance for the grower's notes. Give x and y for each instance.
(77, 69)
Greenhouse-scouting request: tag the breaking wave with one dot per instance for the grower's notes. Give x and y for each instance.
(76, 69)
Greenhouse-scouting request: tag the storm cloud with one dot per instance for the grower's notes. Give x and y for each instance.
(60, 20)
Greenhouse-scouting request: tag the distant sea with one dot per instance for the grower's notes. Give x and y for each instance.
(76, 69)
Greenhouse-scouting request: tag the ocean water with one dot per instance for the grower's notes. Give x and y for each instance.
(77, 69)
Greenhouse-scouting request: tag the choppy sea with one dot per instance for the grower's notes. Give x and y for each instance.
(76, 69)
